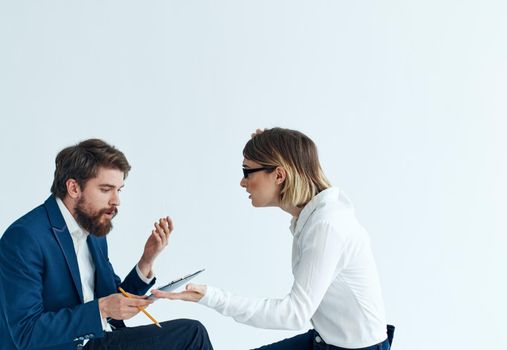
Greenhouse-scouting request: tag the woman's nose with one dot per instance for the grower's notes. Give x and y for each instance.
(242, 183)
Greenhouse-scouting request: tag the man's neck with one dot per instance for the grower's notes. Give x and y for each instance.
(69, 204)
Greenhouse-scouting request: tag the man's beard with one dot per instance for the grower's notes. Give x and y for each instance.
(91, 222)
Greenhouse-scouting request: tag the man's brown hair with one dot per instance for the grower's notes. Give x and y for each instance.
(81, 162)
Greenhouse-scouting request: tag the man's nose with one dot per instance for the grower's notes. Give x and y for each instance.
(115, 199)
(243, 181)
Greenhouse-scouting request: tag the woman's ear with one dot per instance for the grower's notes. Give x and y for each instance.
(281, 175)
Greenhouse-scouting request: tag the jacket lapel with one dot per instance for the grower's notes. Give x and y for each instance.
(64, 240)
(104, 280)
(105, 283)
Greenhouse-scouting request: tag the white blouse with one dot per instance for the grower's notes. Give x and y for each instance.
(336, 285)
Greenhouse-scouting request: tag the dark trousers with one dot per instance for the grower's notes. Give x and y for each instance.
(179, 334)
(311, 340)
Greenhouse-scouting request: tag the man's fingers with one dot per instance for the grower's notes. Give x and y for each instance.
(164, 223)
(140, 306)
(139, 302)
(170, 223)
(134, 302)
(130, 312)
(157, 235)
(159, 229)
(162, 232)
(141, 297)
(161, 235)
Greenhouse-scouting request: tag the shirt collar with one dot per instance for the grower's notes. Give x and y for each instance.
(75, 230)
(317, 201)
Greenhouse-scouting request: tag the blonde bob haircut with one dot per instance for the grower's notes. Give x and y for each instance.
(297, 154)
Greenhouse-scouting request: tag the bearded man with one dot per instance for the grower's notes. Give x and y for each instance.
(58, 289)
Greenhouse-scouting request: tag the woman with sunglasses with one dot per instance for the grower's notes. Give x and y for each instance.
(336, 285)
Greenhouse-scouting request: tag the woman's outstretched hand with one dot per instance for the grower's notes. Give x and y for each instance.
(193, 292)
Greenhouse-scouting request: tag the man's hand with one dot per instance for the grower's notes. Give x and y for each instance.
(121, 308)
(155, 244)
(193, 292)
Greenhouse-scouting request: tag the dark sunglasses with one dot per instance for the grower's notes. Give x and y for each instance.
(247, 171)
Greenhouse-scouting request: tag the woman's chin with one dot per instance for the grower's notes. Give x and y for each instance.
(259, 205)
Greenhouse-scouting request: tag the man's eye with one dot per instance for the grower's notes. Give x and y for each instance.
(104, 190)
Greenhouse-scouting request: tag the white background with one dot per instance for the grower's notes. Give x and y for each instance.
(406, 101)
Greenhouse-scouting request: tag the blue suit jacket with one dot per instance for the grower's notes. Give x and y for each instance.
(41, 298)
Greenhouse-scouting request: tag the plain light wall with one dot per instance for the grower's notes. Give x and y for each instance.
(405, 100)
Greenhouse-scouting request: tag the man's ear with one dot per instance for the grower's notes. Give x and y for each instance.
(281, 175)
(73, 188)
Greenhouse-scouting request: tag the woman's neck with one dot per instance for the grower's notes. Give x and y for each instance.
(292, 210)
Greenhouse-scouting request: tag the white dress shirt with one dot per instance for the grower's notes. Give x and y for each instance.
(85, 260)
(335, 286)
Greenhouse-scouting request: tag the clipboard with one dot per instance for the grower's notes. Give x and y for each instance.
(176, 283)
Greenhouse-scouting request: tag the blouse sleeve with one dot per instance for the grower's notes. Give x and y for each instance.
(322, 248)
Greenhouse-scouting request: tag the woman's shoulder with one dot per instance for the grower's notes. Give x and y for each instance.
(335, 218)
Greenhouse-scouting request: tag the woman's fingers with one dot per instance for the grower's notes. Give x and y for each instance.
(198, 288)
(193, 292)
(170, 295)
(257, 132)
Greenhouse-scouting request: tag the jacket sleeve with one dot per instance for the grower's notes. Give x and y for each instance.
(21, 298)
(135, 285)
(132, 282)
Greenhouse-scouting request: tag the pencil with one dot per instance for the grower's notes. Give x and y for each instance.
(141, 309)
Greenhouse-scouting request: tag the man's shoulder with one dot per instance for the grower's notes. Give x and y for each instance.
(29, 223)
